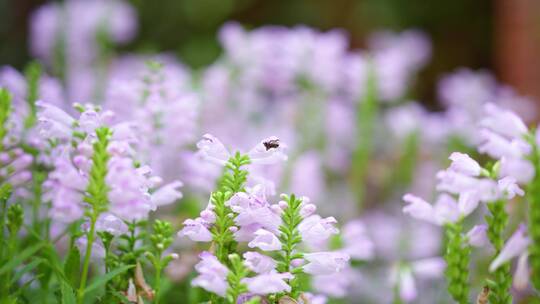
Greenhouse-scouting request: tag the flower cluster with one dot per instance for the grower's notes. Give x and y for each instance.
(238, 214)
(506, 139)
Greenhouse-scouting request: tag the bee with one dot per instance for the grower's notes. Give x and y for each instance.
(271, 144)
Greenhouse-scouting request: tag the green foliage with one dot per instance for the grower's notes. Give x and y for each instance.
(501, 282)
(96, 197)
(232, 182)
(457, 258)
(72, 266)
(366, 118)
(161, 239)
(236, 273)
(5, 111)
(33, 74)
(97, 188)
(15, 216)
(290, 238)
(533, 195)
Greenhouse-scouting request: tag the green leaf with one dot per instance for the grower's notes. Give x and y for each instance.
(68, 295)
(72, 266)
(19, 258)
(101, 280)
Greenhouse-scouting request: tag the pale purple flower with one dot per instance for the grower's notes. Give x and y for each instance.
(196, 230)
(265, 240)
(522, 273)
(54, 122)
(458, 183)
(418, 208)
(312, 299)
(509, 187)
(520, 169)
(503, 122)
(316, 230)
(467, 202)
(357, 243)
(429, 268)
(259, 263)
(212, 274)
(464, 164)
(515, 246)
(497, 146)
(268, 283)
(477, 236)
(109, 223)
(98, 251)
(445, 209)
(253, 209)
(334, 285)
(308, 176)
(167, 194)
(128, 195)
(402, 278)
(268, 151)
(324, 263)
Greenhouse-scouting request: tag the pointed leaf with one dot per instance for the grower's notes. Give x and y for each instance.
(102, 280)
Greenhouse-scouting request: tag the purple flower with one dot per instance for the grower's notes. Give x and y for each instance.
(464, 164)
(268, 151)
(109, 223)
(212, 274)
(196, 230)
(509, 187)
(357, 243)
(167, 194)
(316, 230)
(265, 240)
(268, 283)
(253, 210)
(259, 263)
(325, 263)
(515, 246)
(477, 236)
(334, 285)
(503, 122)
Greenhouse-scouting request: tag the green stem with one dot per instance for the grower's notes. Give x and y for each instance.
(366, 119)
(90, 240)
(502, 278)
(533, 194)
(457, 259)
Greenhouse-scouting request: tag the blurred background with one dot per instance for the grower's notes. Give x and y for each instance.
(500, 35)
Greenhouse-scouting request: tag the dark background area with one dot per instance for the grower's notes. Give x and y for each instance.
(463, 32)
